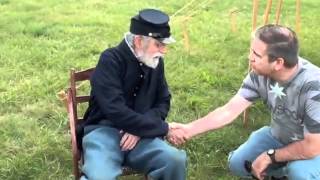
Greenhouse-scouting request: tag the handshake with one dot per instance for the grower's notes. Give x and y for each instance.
(178, 133)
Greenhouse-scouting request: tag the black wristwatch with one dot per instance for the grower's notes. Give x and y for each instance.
(271, 153)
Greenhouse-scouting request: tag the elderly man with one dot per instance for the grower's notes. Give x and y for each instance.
(125, 122)
(290, 86)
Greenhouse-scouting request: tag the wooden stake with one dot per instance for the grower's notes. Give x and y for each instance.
(245, 117)
(298, 18)
(279, 6)
(255, 4)
(233, 19)
(185, 34)
(62, 95)
(267, 12)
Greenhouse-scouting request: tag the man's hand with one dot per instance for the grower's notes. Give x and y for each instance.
(178, 133)
(260, 165)
(128, 141)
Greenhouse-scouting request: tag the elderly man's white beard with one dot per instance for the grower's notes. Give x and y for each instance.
(151, 61)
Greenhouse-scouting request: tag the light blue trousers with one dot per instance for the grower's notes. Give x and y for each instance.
(259, 142)
(103, 157)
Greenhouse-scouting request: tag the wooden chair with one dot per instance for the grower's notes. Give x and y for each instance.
(73, 100)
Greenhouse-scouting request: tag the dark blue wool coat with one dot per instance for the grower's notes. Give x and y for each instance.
(128, 95)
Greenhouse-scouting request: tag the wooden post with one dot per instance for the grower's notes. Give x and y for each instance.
(185, 34)
(267, 12)
(279, 6)
(255, 4)
(62, 95)
(233, 19)
(298, 18)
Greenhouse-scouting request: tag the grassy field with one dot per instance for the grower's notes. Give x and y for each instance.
(40, 40)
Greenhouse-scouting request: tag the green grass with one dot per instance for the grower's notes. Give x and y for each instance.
(40, 40)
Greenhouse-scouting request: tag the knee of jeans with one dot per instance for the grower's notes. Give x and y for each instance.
(298, 171)
(236, 165)
(100, 171)
(297, 174)
(100, 175)
(174, 158)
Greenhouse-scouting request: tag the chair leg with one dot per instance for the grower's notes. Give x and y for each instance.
(76, 172)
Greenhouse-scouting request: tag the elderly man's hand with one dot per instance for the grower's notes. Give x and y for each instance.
(128, 141)
(178, 133)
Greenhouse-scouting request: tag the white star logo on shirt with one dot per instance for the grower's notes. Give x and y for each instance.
(277, 90)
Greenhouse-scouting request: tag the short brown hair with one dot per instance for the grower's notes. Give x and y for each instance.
(281, 42)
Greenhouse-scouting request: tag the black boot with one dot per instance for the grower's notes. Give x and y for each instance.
(279, 178)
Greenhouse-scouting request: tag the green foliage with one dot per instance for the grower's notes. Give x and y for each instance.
(40, 40)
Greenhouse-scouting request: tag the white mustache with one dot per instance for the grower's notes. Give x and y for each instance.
(158, 55)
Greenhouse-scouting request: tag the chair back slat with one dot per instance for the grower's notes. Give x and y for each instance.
(83, 75)
(82, 99)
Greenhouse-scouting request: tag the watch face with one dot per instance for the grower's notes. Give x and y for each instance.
(271, 151)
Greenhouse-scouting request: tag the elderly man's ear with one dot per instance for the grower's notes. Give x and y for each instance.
(137, 42)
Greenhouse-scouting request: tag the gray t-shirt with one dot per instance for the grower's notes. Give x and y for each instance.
(294, 105)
